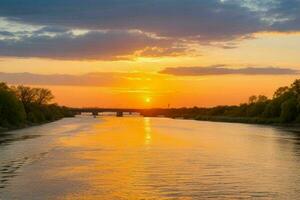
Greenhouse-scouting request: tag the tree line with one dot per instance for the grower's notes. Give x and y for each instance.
(22, 105)
(283, 107)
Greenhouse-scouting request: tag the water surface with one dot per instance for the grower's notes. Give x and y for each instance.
(149, 158)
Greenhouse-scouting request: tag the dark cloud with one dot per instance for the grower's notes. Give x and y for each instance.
(6, 33)
(223, 70)
(209, 22)
(105, 45)
(199, 19)
(287, 15)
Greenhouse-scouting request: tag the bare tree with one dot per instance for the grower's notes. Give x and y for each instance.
(262, 98)
(252, 99)
(25, 94)
(43, 96)
(280, 91)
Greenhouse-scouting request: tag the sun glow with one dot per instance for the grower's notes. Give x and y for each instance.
(147, 99)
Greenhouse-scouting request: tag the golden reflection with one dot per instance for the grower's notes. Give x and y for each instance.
(148, 136)
(120, 154)
(156, 158)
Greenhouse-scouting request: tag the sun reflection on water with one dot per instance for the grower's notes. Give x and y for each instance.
(147, 127)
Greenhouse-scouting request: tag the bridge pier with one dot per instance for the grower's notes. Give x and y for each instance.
(119, 114)
(95, 114)
(98, 111)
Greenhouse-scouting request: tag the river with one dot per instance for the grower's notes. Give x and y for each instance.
(149, 158)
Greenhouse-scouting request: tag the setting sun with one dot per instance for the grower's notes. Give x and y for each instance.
(148, 100)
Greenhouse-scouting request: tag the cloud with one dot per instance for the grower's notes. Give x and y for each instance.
(6, 33)
(93, 79)
(97, 45)
(51, 29)
(136, 79)
(198, 19)
(93, 29)
(99, 79)
(202, 19)
(223, 70)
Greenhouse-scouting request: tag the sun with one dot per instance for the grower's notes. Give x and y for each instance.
(147, 99)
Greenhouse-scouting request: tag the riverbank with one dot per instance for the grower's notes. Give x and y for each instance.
(246, 120)
(249, 120)
(27, 125)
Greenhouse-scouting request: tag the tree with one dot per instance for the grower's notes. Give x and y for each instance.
(261, 99)
(295, 87)
(256, 109)
(3, 86)
(21, 104)
(257, 99)
(26, 95)
(280, 91)
(43, 96)
(272, 109)
(288, 111)
(12, 112)
(252, 99)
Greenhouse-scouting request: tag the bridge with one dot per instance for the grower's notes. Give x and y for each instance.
(97, 111)
(147, 112)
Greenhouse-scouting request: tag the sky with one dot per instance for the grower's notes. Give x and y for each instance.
(150, 53)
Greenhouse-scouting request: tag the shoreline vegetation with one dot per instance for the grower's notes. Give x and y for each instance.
(283, 109)
(22, 107)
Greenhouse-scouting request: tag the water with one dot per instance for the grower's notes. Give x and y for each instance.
(149, 158)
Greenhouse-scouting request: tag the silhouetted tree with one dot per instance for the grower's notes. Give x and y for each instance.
(11, 109)
(280, 91)
(261, 99)
(26, 95)
(288, 110)
(42, 96)
(252, 99)
(20, 104)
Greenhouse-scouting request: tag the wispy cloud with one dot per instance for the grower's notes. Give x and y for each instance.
(224, 70)
(92, 79)
(135, 79)
(99, 79)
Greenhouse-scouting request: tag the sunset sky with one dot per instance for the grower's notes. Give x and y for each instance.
(150, 53)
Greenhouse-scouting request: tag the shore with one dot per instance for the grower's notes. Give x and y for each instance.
(247, 120)
(244, 120)
(7, 129)
(28, 125)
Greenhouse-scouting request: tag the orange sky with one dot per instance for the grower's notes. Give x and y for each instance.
(198, 53)
(207, 92)
(147, 82)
